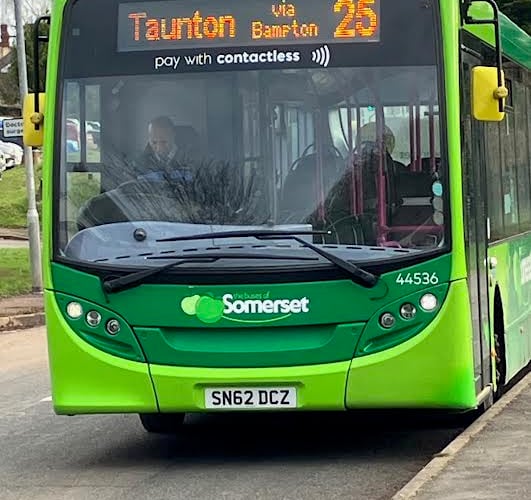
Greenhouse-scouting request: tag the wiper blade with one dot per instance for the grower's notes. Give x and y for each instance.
(138, 277)
(257, 233)
(357, 274)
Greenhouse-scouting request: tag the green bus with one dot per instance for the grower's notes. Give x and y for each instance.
(318, 205)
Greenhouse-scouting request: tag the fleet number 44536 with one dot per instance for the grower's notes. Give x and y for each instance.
(417, 279)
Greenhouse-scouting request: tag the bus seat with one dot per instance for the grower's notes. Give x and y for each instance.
(426, 166)
(187, 140)
(414, 192)
(299, 191)
(413, 184)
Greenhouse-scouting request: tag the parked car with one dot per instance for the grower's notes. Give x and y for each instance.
(2, 164)
(13, 154)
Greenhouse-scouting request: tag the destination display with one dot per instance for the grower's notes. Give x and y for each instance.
(180, 24)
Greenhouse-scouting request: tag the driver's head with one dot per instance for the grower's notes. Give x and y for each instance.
(161, 136)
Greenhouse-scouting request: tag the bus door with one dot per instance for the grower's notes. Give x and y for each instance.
(476, 232)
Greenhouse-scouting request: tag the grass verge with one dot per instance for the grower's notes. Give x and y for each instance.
(13, 199)
(15, 278)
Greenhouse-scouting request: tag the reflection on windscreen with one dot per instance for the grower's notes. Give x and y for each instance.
(352, 151)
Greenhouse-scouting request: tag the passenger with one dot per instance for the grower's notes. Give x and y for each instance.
(367, 133)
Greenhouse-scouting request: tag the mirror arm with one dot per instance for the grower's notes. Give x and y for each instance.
(37, 39)
(500, 92)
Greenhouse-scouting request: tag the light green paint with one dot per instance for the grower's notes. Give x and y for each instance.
(514, 283)
(432, 370)
(450, 17)
(319, 387)
(516, 43)
(87, 380)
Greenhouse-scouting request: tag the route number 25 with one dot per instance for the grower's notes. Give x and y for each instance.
(361, 20)
(418, 279)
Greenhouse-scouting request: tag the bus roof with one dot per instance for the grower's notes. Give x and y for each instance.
(516, 43)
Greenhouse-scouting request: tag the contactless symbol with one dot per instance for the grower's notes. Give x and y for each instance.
(321, 56)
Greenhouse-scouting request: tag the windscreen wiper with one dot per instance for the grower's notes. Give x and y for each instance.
(136, 278)
(357, 274)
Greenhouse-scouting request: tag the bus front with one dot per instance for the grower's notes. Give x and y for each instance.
(249, 208)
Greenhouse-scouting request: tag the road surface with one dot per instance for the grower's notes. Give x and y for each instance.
(7, 243)
(44, 456)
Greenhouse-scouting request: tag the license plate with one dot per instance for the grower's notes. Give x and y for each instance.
(250, 397)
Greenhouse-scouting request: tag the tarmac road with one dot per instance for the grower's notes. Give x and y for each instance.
(273, 456)
(5, 243)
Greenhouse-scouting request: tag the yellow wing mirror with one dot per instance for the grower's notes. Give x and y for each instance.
(488, 83)
(33, 125)
(488, 97)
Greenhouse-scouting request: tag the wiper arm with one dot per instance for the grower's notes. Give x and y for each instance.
(138, 277)
(357, 274)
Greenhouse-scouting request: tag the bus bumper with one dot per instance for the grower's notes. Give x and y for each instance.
(432, 370)
(318, 387)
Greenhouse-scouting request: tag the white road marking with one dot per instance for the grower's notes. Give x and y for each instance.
(46, 399)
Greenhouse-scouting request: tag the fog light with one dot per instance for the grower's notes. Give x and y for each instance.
(74, 310)
(112, 326)
(428, 302)
(408, 311)
(93, 318)
(387, 320)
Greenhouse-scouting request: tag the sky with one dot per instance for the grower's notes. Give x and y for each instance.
(31, 9)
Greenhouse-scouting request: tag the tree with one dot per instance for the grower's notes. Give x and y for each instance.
(518, 11)
(31, 10)
(9, 87)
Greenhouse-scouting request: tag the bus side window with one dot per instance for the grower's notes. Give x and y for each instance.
(72, 104)
(92, 124)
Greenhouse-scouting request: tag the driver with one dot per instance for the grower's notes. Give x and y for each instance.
(162, 159)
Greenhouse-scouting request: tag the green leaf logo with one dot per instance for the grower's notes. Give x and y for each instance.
(189, 304)
(207, 309)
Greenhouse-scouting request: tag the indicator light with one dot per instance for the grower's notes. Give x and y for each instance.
(408, 311)
(93, 318)
(428, 302)
(387, 320)
(74, 310)
(112, 326)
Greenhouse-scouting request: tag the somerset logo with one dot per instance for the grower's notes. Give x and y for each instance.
(236, 307)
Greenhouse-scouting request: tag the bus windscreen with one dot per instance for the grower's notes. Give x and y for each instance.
(175, 114)
(178, 24)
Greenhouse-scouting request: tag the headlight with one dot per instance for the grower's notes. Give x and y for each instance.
(408, 311)
(112, 326)
(428, 302)
(74, 310)
(93, 318)
(387, 320)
